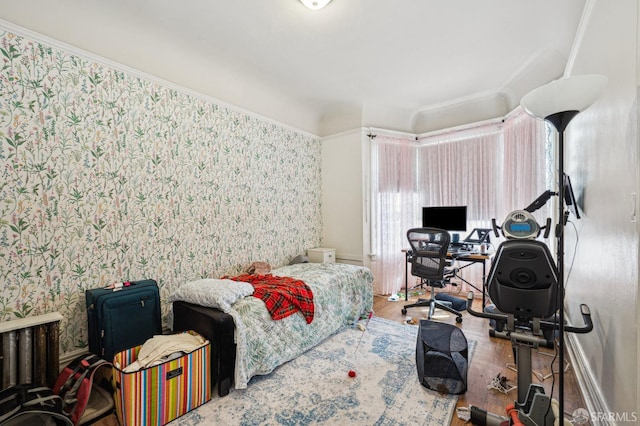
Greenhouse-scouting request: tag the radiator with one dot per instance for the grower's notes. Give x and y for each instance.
(30, 350)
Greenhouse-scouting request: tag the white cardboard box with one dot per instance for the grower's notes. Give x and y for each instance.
(322, 255)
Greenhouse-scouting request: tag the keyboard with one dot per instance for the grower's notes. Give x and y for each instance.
(463, 250)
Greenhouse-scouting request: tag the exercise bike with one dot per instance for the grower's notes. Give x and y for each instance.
(523, 285)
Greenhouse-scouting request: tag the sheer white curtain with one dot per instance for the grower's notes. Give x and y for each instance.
(395, 208)
(462, 168)
(492, 169)
(528, 164)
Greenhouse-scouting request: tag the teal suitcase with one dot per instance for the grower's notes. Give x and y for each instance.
(123, 317)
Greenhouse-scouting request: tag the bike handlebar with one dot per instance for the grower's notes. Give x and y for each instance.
(544, 324)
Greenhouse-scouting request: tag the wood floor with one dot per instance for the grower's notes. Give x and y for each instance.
(490, 358)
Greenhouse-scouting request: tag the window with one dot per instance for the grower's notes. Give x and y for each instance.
(492, 169)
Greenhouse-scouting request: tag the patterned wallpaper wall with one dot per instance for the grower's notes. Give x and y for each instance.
(106, 177)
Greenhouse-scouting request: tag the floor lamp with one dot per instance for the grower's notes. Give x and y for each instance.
(558, 103)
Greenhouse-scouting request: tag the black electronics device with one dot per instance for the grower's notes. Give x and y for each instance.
(569, 196)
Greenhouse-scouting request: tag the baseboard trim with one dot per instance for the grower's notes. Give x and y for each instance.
(350, 261)
(349, 258)
(588, 385)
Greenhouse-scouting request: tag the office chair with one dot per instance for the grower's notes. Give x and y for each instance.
(428, 257)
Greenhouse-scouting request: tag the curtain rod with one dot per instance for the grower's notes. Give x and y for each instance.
(374, 131)
(493, 121)
(461, 128)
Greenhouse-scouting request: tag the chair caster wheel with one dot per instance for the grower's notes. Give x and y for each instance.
(458, 320)
(404, 311)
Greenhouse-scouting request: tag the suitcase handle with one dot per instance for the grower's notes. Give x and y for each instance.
(118, 286)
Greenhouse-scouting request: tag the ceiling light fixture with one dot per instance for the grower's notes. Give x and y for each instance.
(315, 4)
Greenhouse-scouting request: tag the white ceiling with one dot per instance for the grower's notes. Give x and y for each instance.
(409, 65)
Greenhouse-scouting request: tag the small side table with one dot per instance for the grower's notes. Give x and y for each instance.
(322, 255)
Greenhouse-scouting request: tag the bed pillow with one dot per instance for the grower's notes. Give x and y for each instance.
(213, 293)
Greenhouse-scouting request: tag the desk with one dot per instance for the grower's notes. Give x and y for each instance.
(470, 258)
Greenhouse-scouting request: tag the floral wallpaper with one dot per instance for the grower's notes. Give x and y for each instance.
(107, 177)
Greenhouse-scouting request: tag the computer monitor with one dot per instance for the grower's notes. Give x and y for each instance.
(451, 218)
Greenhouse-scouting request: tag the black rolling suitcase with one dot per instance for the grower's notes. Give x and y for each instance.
(122, 316)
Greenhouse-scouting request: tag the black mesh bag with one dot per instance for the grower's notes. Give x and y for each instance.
(442, 357)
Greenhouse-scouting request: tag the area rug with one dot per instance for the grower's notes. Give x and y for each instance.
(315, 388)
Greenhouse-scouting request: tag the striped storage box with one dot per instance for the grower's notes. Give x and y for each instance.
(161, 393)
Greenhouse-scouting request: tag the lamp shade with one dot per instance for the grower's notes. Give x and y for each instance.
(574, 93)
(315, 4)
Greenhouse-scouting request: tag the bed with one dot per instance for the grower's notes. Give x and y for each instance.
(246, 341)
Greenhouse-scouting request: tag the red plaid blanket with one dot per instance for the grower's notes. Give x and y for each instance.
(283, 296)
